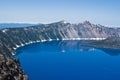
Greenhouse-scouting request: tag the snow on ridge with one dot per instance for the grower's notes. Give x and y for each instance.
(84, 39)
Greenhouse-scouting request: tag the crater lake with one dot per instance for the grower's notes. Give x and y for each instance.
(69, 60)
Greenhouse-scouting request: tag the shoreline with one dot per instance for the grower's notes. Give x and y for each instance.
(64, 39)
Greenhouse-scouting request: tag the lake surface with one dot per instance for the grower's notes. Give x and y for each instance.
(69, 60)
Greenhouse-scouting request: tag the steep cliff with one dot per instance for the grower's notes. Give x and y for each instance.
(12, 38)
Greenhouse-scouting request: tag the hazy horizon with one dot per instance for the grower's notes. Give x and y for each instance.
(104, 12)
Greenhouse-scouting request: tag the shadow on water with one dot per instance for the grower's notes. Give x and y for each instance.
(111, 52)
(79, 45)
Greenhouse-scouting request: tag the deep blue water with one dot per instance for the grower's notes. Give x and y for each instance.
(69, 60)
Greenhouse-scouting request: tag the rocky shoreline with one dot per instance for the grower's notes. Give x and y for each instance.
(11, 70)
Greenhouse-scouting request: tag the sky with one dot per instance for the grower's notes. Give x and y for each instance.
(104, 12)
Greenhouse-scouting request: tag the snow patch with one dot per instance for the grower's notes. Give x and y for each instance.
(17, 46)
(4, 30)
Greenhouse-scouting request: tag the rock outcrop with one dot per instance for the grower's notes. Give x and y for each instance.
(11, 70)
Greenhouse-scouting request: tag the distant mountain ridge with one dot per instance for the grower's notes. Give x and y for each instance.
(15, 25)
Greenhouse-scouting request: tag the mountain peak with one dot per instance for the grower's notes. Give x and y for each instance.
(86, 22)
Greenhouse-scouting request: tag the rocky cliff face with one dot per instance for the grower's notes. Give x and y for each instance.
(11, 38)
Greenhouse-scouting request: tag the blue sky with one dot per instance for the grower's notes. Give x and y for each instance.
(105, 12)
